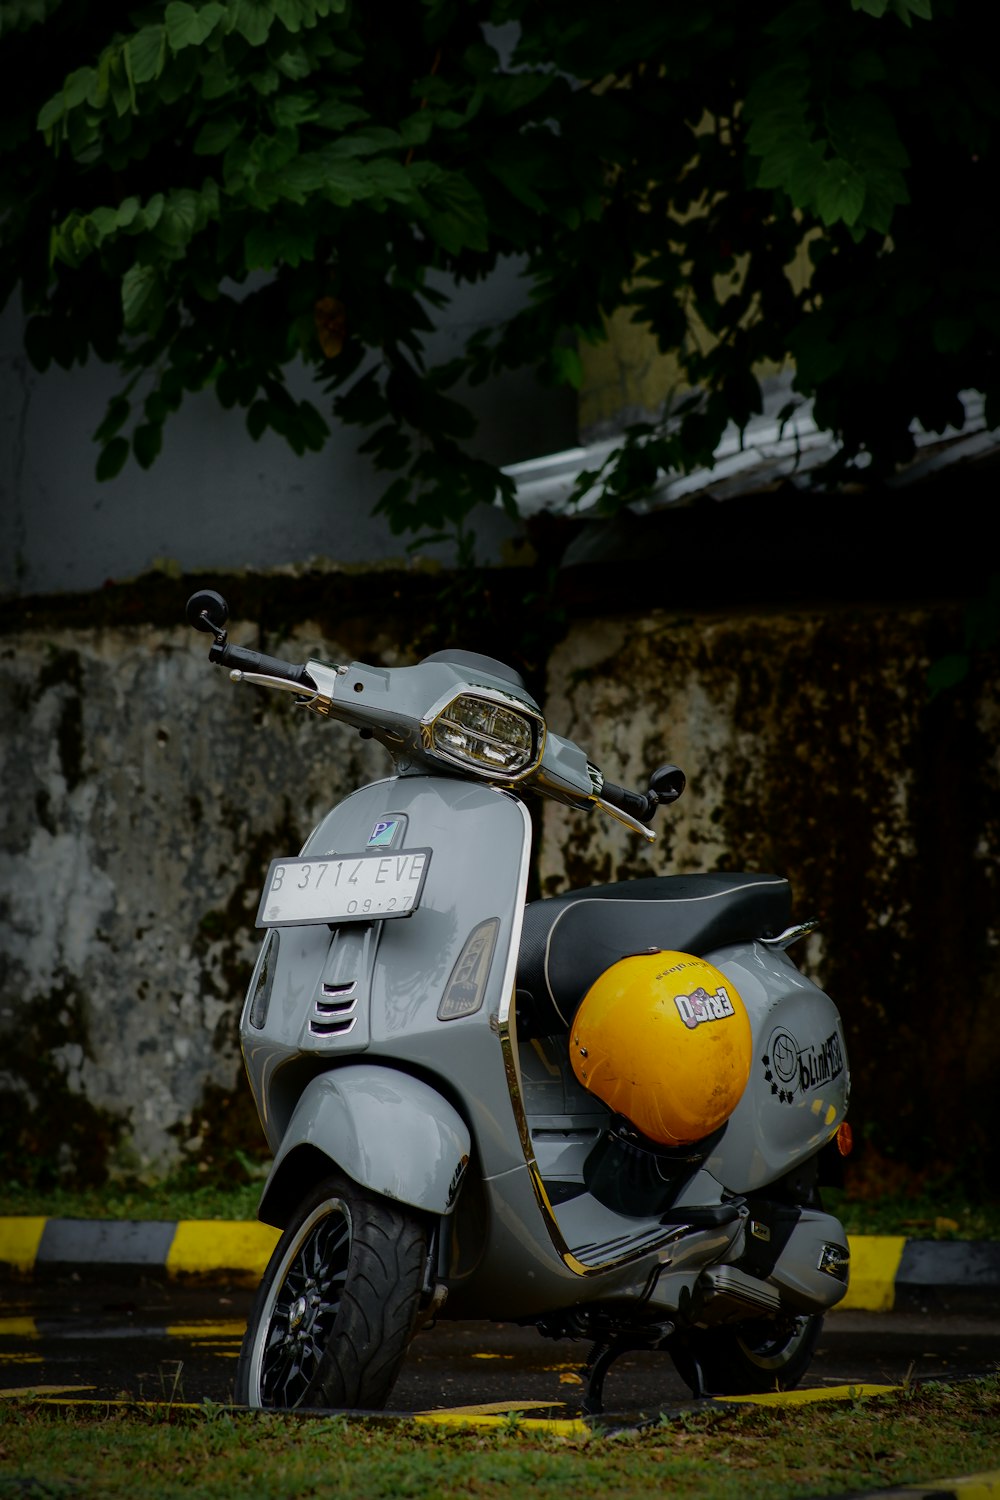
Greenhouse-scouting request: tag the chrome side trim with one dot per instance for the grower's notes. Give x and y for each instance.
(637, 1249)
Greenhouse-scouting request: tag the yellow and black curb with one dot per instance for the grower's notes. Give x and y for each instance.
(206, 1249)
(887, 1271)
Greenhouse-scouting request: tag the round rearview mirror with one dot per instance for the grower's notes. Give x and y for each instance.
(207, 611)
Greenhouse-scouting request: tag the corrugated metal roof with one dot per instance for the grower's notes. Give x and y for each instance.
(769, 452)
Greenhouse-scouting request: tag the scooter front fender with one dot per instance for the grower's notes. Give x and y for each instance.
(389, 1132)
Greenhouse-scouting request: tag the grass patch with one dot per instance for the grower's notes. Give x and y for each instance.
(167, 1200)
(921, 1433)
(923, 1216)
(937, 1214)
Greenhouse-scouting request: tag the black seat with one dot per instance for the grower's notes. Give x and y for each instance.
(568, 940)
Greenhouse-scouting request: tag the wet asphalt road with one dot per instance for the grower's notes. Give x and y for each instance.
(158, 1341)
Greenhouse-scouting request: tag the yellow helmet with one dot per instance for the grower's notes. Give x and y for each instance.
(664, 1039)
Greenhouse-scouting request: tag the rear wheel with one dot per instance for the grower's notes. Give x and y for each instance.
(337, 1304)
(745, 1359)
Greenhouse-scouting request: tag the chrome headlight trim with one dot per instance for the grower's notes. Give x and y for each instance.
(494, 698)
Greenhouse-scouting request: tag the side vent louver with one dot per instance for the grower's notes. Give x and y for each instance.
(335, 1010)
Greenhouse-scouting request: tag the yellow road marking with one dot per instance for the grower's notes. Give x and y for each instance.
(875, 1260)
(225, 1328)
(44, 1390)
(500, 1413)
(202, 1245)
(822, 1393)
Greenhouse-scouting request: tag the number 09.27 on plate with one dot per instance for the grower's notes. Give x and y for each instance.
(343, 888)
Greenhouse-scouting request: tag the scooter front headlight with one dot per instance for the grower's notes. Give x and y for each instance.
(487, 735)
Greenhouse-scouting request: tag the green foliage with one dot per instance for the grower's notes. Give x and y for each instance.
(206, 194)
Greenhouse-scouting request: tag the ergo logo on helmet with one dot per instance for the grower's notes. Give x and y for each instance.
(700, 1006)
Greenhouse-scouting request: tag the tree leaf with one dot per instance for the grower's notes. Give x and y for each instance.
(294, 109)
(216, 135)
(115, 418)
(252, 19)
(51, 111)
(147, 52)
(457, 216)
(77, 86)
(840, 194)
(153, 211)
(258, 418)
(111, 459)
(508, 92)
(315, 428)
(363, 403)
(336, 115)
(141, 296)
(568, 366)
(188, 26)
(293, 14)
(157, 408)
(147, 440)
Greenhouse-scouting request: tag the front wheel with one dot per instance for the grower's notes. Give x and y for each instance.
(746, 1359)
(337, 1304)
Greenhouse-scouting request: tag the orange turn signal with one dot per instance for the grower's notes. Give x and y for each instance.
(844, 1138)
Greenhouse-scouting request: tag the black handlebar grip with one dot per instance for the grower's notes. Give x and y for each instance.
(636, 804)
(254, 661)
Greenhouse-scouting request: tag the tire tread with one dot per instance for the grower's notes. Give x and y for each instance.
(378, 1307)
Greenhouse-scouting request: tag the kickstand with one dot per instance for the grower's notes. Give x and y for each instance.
(604, 1354)
(602, 1357)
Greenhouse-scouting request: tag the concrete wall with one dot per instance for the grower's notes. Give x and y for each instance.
(216, 499)
(146, 795)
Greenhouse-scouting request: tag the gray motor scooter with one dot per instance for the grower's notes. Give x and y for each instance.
(415, 1037)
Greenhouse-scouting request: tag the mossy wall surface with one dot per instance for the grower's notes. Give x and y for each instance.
(145, 799)
(146, 796)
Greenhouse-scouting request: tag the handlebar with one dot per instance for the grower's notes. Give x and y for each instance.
(208, 611)
(239, 658)
(665, 785)
(637, 804)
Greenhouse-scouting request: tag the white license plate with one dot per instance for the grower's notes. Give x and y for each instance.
(342, 888)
